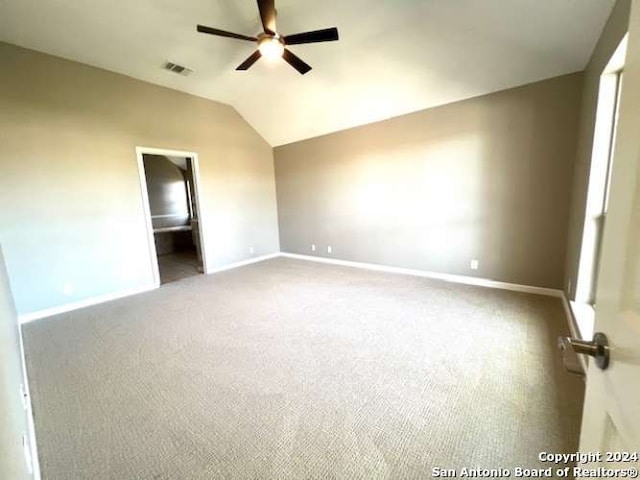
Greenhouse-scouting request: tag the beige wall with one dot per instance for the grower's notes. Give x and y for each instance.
(72, 206)
(485, 178)
(613, 32)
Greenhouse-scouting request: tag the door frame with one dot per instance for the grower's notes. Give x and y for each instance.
(610, 421)
(195, 166)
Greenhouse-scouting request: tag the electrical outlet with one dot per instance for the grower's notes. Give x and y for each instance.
(474, 264)
(251, 250)
(67, 288)
(329, 249)
(313, 247)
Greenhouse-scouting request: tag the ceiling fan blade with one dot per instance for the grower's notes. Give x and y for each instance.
(250, 61)
(222, 33)
(325, 35)
(295, 62)
(268, 15)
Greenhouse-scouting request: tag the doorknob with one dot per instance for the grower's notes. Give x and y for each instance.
(598, 348)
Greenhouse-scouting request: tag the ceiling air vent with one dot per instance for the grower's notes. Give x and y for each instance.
(175, 68)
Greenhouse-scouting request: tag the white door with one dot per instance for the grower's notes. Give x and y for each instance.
(16, 462)
(611, 420)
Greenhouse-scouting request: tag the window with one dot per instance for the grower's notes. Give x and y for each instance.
(600, 176)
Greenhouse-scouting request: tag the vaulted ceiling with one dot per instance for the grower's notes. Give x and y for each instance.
(393, 57)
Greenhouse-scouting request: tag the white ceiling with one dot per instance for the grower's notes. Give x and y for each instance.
(393, 57)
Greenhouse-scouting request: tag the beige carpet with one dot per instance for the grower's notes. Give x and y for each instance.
(291, 369)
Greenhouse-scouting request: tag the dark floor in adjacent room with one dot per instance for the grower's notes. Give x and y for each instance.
(178, 265)
(288, 369)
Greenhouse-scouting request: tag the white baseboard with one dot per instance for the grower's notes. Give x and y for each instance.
(67, 307)
(571, 320)
(244, 262)
(447, 277)
(574, 330)
(481, 282)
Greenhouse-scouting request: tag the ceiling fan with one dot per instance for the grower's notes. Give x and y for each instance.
(273, 45)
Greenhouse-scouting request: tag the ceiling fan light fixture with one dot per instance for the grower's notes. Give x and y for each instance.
(271, 48)
(271, 44)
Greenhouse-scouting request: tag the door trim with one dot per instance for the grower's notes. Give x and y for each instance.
(195, 165)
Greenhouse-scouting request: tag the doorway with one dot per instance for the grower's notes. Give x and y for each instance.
(170, 181)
